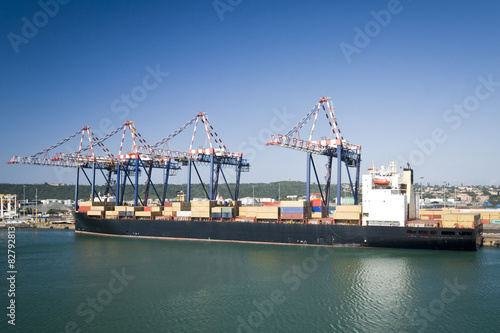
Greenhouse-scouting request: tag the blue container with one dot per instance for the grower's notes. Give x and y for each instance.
(316, 209)
(292, 210)
(495, 221)
(227, 215)
(216, 215)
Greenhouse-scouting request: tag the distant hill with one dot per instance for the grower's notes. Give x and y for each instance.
(261, 190)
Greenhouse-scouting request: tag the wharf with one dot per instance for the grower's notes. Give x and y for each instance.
(41, 225)
(491, 235)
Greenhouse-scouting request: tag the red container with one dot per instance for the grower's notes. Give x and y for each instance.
(148, 209)
(485, 221)
(84, 208)
(292, 216)
(167, 204)
(316, 202)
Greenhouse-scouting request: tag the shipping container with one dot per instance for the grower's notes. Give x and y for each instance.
(95, 213)
(349, 208)
(295, 203)
(316, 215)
(204, 203)
(181, 206)
(293, 210)
(135, 208)
(346, 215)
(292, 216)
(182, 213)
(316, 203)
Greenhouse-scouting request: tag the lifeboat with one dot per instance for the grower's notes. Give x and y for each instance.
(381, 181)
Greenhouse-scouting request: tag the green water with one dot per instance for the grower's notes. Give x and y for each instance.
(81, 283)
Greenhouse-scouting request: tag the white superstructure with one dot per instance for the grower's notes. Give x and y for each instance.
(389, 198)
(8, 205)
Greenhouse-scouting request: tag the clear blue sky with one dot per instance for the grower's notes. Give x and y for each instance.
(414, 81)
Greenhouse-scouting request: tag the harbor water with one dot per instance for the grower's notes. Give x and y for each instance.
(67, 282)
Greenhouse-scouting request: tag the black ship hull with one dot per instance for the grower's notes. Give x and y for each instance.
(282, 233)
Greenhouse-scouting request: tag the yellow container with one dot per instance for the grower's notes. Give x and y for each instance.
(204, 203)
(94, 213)
(349, 209)
(468, 217)
(346, 216)
(200, 214)
(146, 214)
(268, 209)
(181, 206)
(447, 217)
(295, 203)
(168, 211)
(135, 208)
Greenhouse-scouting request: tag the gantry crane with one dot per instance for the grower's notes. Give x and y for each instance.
(338, 147)
(141, 157)
(216, 156)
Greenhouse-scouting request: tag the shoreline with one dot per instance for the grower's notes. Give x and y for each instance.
(41, 225)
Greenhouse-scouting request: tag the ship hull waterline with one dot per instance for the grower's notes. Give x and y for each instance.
(285, 233)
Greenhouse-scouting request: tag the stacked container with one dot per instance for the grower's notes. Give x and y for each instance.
(268, 213)
(295, 210)
(121, 211)
(216, 212)
(202, 209)
(96, 209)
(248, 211)
(460, 220)
(317, 210)
(177, 209)
(429, 214)
(348, 213)
(495, 217)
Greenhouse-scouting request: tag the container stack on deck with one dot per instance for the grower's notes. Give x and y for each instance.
(295, 210)
(149, 212)
(96, 209)
(176, 209)
(460, 220)
(268, 213)
(317, 210)
(249, 212)
(348, 214)
(286, 212)
(202, 209)
(447, 214)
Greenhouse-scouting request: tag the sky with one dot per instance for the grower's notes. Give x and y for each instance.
(411, 81)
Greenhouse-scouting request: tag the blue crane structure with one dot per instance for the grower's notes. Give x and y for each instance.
(338, 147)
(141, 157)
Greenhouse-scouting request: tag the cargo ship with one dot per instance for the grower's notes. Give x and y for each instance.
(389, 217)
